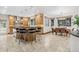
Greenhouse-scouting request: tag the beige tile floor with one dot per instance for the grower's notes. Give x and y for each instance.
(45, 43)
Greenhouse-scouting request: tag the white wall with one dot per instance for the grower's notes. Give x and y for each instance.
(55, 23)
(46, 28)
(72, 24)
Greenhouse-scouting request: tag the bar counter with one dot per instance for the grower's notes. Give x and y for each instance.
(27, 34)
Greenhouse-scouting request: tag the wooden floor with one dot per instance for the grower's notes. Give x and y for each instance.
(45, 43)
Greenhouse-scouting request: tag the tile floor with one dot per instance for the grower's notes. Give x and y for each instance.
(45, 43)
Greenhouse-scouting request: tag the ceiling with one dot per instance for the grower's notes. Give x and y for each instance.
(32, 10)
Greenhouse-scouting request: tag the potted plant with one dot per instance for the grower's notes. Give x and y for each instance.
(77, 22)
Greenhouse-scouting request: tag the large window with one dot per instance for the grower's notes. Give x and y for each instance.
(64, 22)
(32, 22)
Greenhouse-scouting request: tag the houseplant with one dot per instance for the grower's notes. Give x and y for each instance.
(77, 22)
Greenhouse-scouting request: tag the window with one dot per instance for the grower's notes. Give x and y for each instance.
(66, 22)
(52, 22)
(47, 22)
(32, 22)
(3, 24)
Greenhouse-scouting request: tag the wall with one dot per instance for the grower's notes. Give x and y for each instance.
(55, 23)
(46, 28)
(72, 24)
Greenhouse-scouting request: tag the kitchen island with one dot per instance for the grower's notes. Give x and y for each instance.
(26, 34)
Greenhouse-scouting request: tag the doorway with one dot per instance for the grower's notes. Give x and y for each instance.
(3, 24)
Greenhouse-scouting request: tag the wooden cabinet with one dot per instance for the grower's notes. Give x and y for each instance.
(11, 23)
(39, 20)
(25, 21)
(30, 37)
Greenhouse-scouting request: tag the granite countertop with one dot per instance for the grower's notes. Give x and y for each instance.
(75, 33)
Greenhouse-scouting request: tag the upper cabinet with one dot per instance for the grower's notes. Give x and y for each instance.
(25, 21)
(39, 20)
(12, 21)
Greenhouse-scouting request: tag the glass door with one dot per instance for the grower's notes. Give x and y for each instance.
(3, 24)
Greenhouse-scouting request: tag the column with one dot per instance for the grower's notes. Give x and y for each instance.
(55, 22)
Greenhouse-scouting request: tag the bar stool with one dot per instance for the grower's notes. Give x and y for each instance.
(25, 35)
(38, 35)
(21, 34)
(17, 33)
